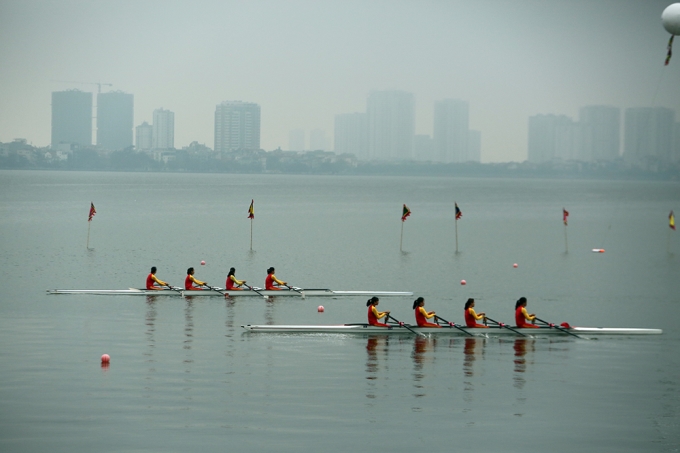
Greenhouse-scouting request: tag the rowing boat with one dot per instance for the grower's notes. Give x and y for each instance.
(445, 329)
(221, 292)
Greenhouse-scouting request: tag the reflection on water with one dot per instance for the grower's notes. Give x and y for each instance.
(421, 347)
(376, 346)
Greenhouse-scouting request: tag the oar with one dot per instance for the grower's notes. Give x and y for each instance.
(253, 289)
(293, 289)
(557, 327)
(216, 290)
(453, 324)
(179, 291)
(500, 324)
(401, 324)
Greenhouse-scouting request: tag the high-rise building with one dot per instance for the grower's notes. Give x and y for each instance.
(451, 130)
(144, 136)
(71, 117)
(163, 129)
(351, 134)
(237, 126)
(296, 140)
(599, 131)
(475, 146)
(115, 115)
(391, 125)
(550, 137)
(648, 134)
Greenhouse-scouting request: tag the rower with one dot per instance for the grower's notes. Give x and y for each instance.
(522, 316)
(188, 282)
(471, 317)
(232, 283)
(423, 315)
(151, 279)
(373, 314)
(271, 282)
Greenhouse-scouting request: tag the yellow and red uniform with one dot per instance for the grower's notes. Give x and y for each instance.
(374, 315)
(422, 316)
(269, 282)
(150, 279)
(232, 283)
(471, 318)
(188, 283)
(521, 318)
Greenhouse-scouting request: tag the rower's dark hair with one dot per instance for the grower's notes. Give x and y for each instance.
(232, 271)
(417, 302)
(371, 301)
(520, 301)
(153, 270)
(469, 302)
(270, 270)
(190, 270)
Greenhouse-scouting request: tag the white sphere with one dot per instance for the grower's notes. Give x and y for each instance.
(670, 18)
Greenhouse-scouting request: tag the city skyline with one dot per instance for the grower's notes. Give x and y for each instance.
(303, 66)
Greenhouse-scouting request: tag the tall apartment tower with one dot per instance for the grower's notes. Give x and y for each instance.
(237, 126)
(163, 129)
(350, 134)
(550, 137)
(648, 134)
(144, 136)
(115, 114)
(391, 125)
(71, 117)
(599, 131)
(451, 130)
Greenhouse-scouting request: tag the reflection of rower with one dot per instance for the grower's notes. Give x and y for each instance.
(423, 315)
(151, 279)
(271, 282)
(471, 317)
(373, 314)
(190, 280)
(232, 283)
(522, 316)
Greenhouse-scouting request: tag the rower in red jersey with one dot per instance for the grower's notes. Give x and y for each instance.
(522, 316)
(190, 280)
(373, 314)
(151, 279)
(232, 283)
(271, 282)
(423, 315)
(471, 317)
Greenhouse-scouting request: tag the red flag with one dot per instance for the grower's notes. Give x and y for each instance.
(670, 50)
(251, 210)
(565, 214)
(671, 220)
(405, 213)
(459, 214)
(92, 212)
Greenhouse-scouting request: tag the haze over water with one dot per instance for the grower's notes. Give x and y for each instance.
(184, 377)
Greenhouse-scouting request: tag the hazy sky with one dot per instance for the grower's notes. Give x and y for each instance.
(304, 61)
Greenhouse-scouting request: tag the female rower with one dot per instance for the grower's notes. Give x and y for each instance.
(190, 279)
(271, 279)
(423, 315)
(151, 279)
(373, 314)
(471, 317)
(232, 283)
(521, 314)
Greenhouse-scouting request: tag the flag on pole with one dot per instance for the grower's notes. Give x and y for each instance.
(92, 212)
(565, 214)
(459, 214)
(670, 50)
(671, 221)
(406, 212)
(251, 210)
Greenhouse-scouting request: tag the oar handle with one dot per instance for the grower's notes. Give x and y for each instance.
(500, 324)
(401, 324)
(554, 326)
(453, 324)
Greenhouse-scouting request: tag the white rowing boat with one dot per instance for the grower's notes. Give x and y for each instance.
(450, 330)
(297, 292)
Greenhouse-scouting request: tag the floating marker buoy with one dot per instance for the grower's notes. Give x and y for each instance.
(202, 263)
(514, 265)
(598, 250)
(463, 282)
(320, 309)
(106, 358)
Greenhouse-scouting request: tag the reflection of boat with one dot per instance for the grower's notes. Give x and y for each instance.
(297, 292)
(448, 330)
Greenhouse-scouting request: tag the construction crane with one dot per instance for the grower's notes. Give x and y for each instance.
(99, 84)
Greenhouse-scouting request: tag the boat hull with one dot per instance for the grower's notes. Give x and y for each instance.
(222, 293)
(448, 330)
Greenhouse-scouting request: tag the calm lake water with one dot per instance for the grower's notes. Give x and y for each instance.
(184, 376)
